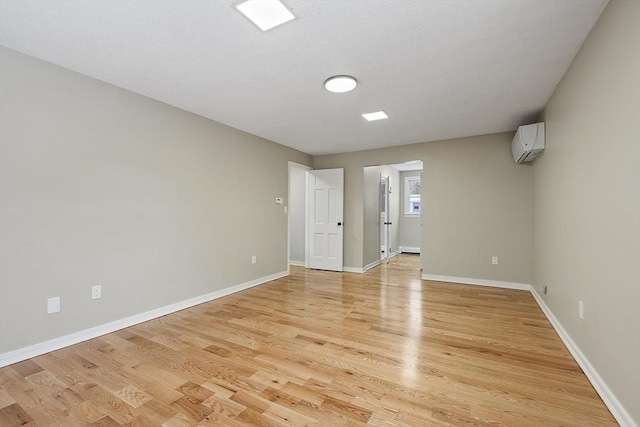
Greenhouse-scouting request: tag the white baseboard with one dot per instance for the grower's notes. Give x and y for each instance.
(409, 250)
(607, 396)
(87, 334)
(361, 270)
(393, 254)
(613, 404)
(479, 282)
(370, 266)
(296, 263)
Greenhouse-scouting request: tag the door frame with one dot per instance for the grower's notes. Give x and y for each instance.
(294, 165)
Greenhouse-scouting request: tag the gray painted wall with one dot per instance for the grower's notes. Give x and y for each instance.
(409, 226)
(586, 201)
(479, 205)
(102, 186)
(297, 191)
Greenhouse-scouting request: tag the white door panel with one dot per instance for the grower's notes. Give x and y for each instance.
(325, 219)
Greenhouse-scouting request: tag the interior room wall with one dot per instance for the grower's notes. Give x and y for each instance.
(297, 201)
(100, 186)
(409, 226)
(479, 206)
(586, 202)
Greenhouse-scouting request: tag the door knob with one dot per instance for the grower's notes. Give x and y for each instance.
(339, 224)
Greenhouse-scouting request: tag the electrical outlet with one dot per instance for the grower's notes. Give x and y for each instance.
(254, 259)
(494, 260)
(96, 292)
(581, 310)
(53, 305)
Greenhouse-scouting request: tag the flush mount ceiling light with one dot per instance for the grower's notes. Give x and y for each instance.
(340, 84)
(378, 115)
(265, 14)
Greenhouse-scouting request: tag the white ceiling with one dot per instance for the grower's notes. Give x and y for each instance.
(408, 166)
(440, 69)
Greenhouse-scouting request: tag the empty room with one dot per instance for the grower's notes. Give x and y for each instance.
(320, 213)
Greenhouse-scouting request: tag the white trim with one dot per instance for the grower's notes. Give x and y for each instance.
(409, 250)
(296, 263)
(607, 396)
(479, 282)
(360, 270)
(24, 353)
(393, 254)
(370, 266)
(306, 219)
(613, 404)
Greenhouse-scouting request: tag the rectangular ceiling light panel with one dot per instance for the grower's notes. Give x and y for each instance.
(378, 115)
(266, 14)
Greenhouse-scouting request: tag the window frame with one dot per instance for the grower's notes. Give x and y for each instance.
(408, 212)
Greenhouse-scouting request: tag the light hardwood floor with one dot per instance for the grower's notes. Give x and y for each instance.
(318, 348)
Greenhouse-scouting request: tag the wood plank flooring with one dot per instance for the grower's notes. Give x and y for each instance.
(320, 349)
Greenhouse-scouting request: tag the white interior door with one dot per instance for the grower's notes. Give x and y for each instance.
(325, 223)
(384, 218)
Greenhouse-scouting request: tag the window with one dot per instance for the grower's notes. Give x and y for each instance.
(412, 195)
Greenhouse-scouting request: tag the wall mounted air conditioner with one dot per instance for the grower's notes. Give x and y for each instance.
(528, 143)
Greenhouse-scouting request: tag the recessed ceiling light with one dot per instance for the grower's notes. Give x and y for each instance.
(378, 115)
(266, 14)
(340, 84)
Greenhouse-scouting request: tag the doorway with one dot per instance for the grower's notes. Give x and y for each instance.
(297, 213)
(392, 211)
(385, 219)
(315, 217)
